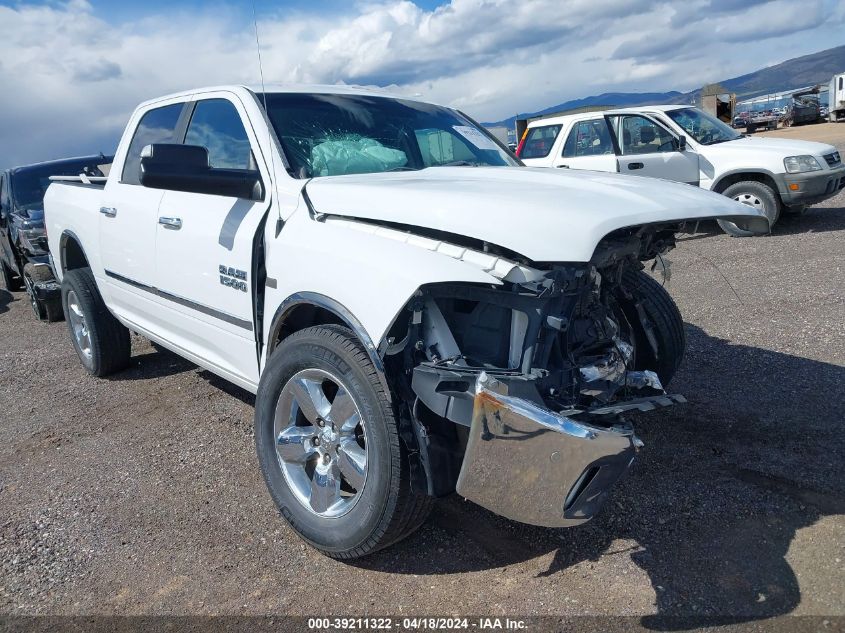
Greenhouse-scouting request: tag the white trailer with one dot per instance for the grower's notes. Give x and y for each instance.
(836, 98)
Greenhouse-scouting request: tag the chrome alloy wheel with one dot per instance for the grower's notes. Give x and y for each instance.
(321, 442)
(78, 325)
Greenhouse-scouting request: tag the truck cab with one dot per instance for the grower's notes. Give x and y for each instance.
(685, 144)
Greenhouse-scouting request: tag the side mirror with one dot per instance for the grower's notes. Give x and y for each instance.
(682, 143)
(185, 168)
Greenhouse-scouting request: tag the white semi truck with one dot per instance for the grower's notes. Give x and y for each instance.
(836, 98)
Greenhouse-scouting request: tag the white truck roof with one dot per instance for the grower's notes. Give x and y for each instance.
(553, 120)
(340, 89)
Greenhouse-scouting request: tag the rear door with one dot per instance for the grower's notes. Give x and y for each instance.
(204, 246)
(128, 217)
(588, 145)
(649, 149)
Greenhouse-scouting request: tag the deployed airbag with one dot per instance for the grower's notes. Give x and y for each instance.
(354, 155)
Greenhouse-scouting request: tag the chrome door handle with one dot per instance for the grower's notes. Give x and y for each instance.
(109, 212)
(171, 223)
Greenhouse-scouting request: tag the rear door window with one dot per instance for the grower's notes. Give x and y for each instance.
(588, 138)
(539, 141)
(156, 126)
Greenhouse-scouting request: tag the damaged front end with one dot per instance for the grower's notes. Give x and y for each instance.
(515, 395)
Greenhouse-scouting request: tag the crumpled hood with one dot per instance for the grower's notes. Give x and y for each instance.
(783, 146)
(542, 214)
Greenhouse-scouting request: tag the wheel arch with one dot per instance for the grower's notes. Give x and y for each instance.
(307, 309)
(758, 175)
(71, 253)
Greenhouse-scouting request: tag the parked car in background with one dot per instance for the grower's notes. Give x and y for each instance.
(24, 256)
(804, 109)
(742, 119)
(685, 144)
(405, 299)
(767, 119)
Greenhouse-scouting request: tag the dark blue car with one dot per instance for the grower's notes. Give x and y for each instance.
(24, 257)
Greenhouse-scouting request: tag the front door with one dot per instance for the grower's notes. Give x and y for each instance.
(649, 149)
(204, 248)
(588, 145)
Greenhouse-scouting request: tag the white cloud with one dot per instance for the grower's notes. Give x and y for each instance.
(692, 30)
(69, 79)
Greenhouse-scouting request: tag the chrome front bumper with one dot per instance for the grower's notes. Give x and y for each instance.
(531, 465)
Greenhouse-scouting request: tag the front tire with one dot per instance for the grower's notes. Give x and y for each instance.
(755, 194)
(657, 323)
(100, 340)
(328, 444)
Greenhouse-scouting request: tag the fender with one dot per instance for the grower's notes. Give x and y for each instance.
(287, 306)
(749, 171)
(63, 263)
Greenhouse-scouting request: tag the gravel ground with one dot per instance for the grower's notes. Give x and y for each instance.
(141, 494)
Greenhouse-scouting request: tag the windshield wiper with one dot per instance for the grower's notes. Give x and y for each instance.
(457, 163)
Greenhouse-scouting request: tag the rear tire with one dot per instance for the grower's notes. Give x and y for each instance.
(664, 320)
(101, 341)
(50, 310)
(363, 514)
(755, 194)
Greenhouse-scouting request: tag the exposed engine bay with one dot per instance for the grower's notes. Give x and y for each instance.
(572, 340)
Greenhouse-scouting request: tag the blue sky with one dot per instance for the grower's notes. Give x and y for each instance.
(127, 10)
(71, 71)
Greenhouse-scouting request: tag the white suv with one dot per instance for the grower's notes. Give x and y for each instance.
(685, 144)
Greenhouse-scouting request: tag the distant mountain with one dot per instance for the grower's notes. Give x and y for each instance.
(808, 70)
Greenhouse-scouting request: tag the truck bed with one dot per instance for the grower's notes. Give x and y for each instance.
(71, 198)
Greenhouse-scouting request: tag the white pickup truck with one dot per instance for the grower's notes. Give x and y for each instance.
(688, 145)
(416, 312)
